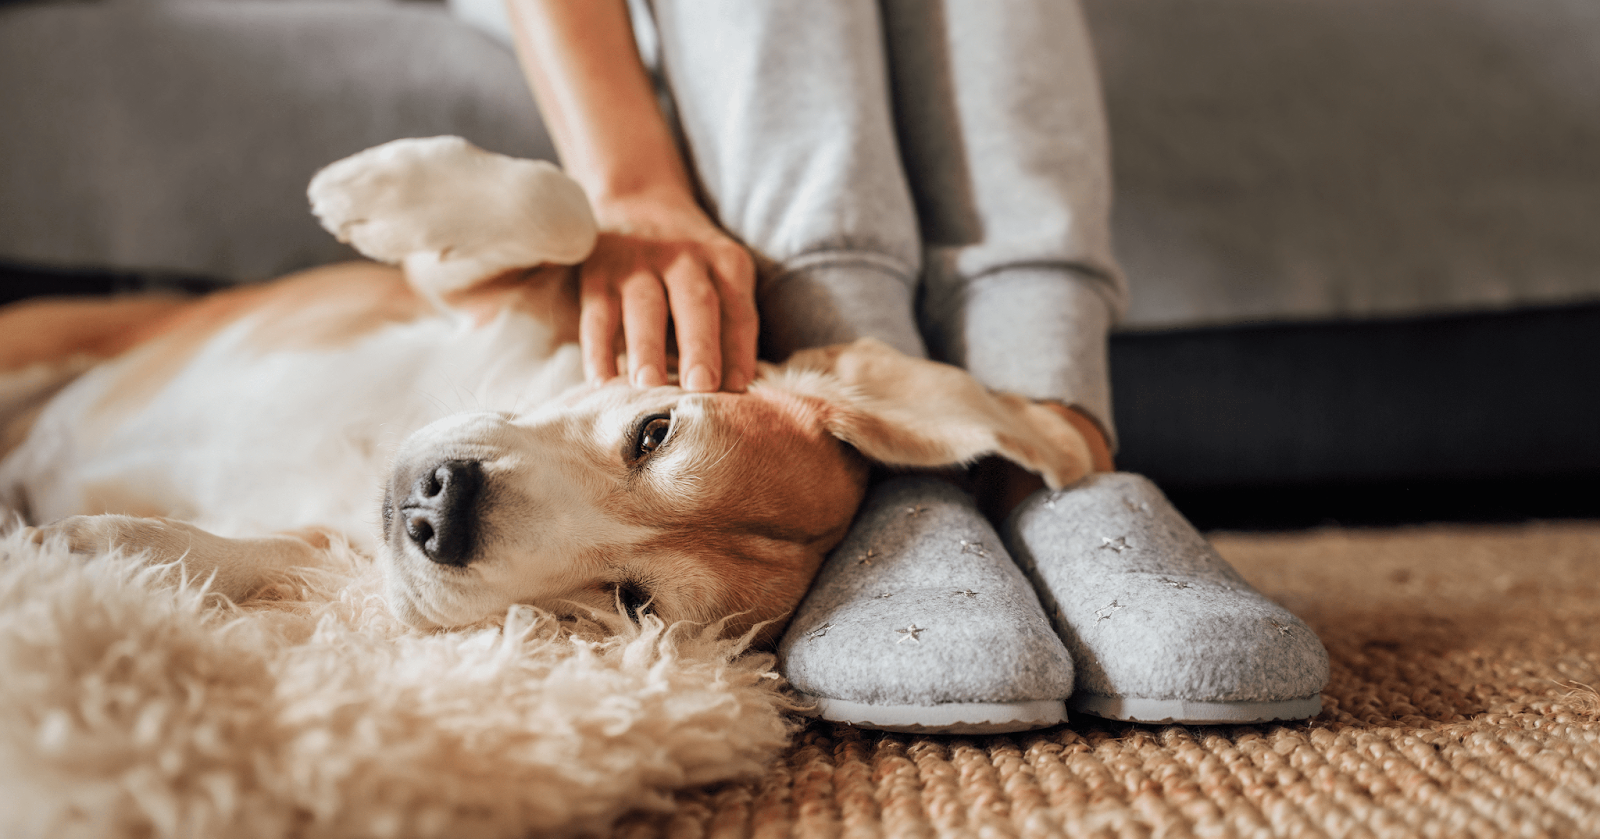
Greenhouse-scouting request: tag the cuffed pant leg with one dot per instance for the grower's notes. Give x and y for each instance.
(836, 298)
(785, 115)
(1004, 141)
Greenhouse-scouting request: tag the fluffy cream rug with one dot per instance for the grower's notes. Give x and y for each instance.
(133, 706)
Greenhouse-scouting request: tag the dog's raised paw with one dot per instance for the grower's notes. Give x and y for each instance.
(452, 213)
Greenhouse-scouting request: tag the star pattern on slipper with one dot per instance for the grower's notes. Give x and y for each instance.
(819, 631)
(866, 558)
(1136, 506)
(1106, 611)
(974, 548)
(916, 511)
(910, 633)
(966, 592)
(1175, 583)
(1117, 545)
(884, 596)
(1283, 628)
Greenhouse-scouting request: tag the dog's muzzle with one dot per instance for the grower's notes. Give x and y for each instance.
(439, 513)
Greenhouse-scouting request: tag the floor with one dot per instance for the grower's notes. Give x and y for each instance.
(1462, 703)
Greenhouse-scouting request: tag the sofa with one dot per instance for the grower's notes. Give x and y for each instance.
(1363, 236)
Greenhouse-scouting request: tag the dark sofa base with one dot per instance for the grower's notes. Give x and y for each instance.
(1508, 395)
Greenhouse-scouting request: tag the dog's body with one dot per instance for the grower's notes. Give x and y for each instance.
(437, 419)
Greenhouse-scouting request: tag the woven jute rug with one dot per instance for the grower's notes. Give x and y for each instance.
(1460, 705)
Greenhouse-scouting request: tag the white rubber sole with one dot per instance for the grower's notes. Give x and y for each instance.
(1185, 712)
(953, 718)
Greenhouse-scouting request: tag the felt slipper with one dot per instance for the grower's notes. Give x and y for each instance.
(919, 621)
(1160, 627)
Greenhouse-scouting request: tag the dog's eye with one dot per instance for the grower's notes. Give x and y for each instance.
(652, 433)
(634, 598)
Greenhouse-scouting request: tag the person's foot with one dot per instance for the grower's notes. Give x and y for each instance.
(1159, 626)
(919, 621)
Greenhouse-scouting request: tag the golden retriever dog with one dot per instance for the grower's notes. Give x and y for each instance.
(434, 416)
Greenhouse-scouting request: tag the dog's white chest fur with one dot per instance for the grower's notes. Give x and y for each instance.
(206, 447)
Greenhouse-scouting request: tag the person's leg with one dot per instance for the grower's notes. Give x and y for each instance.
(1004, 137)
(785, 119)
(919, 620)
(1004, 140)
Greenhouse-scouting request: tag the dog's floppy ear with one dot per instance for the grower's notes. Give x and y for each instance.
(451, 214)
(904, 411)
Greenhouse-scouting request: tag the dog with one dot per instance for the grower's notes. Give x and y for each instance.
(431, 413)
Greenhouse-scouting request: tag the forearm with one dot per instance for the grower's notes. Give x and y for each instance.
(596, 98)
(662, 260)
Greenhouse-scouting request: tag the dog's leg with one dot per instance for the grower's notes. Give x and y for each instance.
(236, 568)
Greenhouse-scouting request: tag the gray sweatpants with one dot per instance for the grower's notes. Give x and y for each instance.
(931, 173)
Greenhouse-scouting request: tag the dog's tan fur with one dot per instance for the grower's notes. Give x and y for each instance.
(237, 433)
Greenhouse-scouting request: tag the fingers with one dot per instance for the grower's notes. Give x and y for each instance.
(741, 326)
(598, 319)
(644, 328)
(628, 296)
(714, 308)
(697, 314)
(709, 292)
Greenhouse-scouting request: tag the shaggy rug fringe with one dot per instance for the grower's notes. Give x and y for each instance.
(134, 704)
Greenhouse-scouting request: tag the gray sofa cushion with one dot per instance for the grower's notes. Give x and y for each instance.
(1320, 159)
(179, 137)
(1352, 158)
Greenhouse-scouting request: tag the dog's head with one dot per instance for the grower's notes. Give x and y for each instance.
(694, 506)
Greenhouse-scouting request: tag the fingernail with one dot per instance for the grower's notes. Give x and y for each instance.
(735, 383)
(648, 376)
(700, 379)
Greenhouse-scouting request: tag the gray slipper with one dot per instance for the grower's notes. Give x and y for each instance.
(1160, 627)
(919, 621)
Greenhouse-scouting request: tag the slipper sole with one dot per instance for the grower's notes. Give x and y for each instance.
(1187, 712)
(952, 718)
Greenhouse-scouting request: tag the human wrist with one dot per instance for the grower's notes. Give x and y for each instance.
(624, 199)
(652, 212)
(597, 99)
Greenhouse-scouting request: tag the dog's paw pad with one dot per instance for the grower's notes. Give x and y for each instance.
(452, 213)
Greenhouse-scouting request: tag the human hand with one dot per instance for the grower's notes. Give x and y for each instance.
(661, 257)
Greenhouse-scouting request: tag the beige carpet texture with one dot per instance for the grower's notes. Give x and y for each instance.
(1462, 703)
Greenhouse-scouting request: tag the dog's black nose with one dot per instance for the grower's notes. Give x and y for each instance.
(440, 513)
